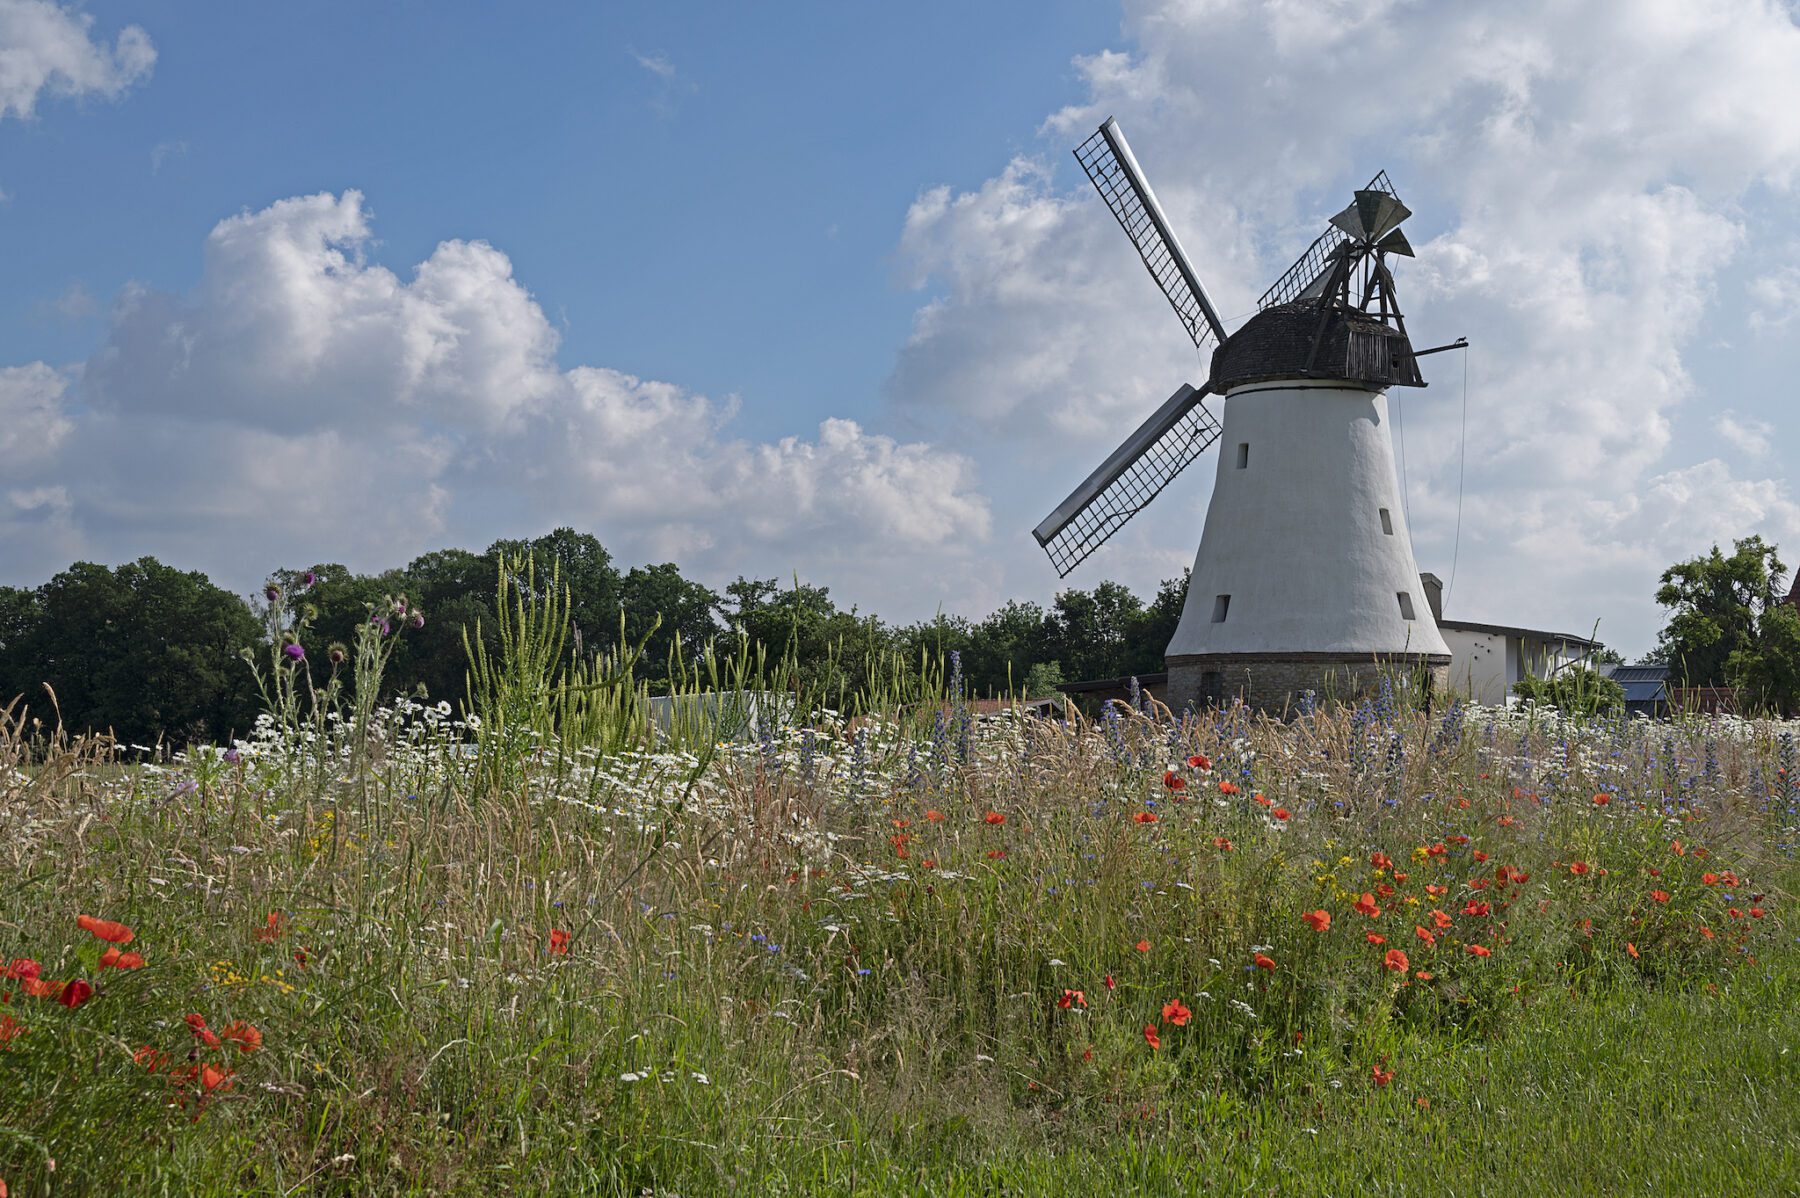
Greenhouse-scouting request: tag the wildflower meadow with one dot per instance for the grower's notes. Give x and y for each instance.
(534, 940)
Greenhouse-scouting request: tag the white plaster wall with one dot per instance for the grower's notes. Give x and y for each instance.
(1478, 665)
(1295, 537)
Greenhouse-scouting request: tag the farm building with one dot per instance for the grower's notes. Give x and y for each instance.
(1487, 659)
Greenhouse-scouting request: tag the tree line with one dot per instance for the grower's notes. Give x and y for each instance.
(150, 651)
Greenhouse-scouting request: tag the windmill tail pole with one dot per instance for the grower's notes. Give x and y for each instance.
(1459, 343)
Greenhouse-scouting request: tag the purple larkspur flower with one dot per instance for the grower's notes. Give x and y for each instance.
(233, 756)
(293, 651)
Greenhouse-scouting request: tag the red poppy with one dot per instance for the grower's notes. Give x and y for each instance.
(39, 987)
(1143, 946)
(1220, 842)
(1229, 788)
(1661, 896)
(1479, 855)
(1318, 920)
(995, 854)
(1675, 847)
(242, 1034)
(1173, 780)
(1734, 913)
(1266, 963)
(1507, 821)
(105, 929)
(1707, 932)
(1440, 920)
(1176, 1013)
(1602, 800)
(559, 941)
(1399, 875)
(75, 993)
(1199, 761)
(1422, 934)
(1071, 998)
(1266, 802)
(1383, 890)
(22, 968)
(1480, 950)
(1632, 949)
(112, 958)
(901, 823)
(935, 816)
(1474, 908)
(212, 1077)
(928, 863)
(1396, 961)
(1710, 879)
(1379, 1076)
(1756, 913)
(1424, 975)
(1151, 1038)
(1381, 861)
(1578, 868)
(149, 1058)
(1366, 905)
(1281, 813)
(197, 1024)
(272, 929)
(1375, 938)
(993, 817)
(1109, 983)
(1436, 891)
(1145, 817)
(10, 1029)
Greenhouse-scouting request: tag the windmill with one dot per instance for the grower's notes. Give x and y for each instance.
(1305, 578)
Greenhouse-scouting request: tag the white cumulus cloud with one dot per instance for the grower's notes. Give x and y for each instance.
(305, 403)
(49, 49)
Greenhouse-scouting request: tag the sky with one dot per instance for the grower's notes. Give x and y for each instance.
(817, 290)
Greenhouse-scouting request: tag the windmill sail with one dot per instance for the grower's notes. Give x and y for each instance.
(1133, 475)
(1108, 161)
(1309, 269)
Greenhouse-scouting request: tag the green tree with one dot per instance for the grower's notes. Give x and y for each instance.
(582, 564)
(1091, 631)
(1716, 602)
(1729, 625)
(142, 649)
(684, 608)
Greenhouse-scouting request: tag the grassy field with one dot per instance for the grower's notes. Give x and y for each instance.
(395, 954)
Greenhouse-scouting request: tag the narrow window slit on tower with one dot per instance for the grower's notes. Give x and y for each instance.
(1406, 607)
(1221, 605)
(1243, 454)
(1387, 522)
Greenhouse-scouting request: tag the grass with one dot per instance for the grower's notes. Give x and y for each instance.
(835, 960)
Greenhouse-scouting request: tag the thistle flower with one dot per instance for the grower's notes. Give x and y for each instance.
(271, 592)
(381, 623)
(293, 652)
(336, 655)
(417, 620)
(308, 579)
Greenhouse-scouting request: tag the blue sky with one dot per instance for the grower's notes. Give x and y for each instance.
(818, 289)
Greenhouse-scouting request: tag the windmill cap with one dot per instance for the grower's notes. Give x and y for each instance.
(1277, 343)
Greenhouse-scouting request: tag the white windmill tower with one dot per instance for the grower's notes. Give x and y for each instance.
(1305, 578)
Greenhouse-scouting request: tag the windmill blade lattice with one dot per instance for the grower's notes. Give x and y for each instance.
(1109, 163)
(1161, 448)
(1317, 259)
